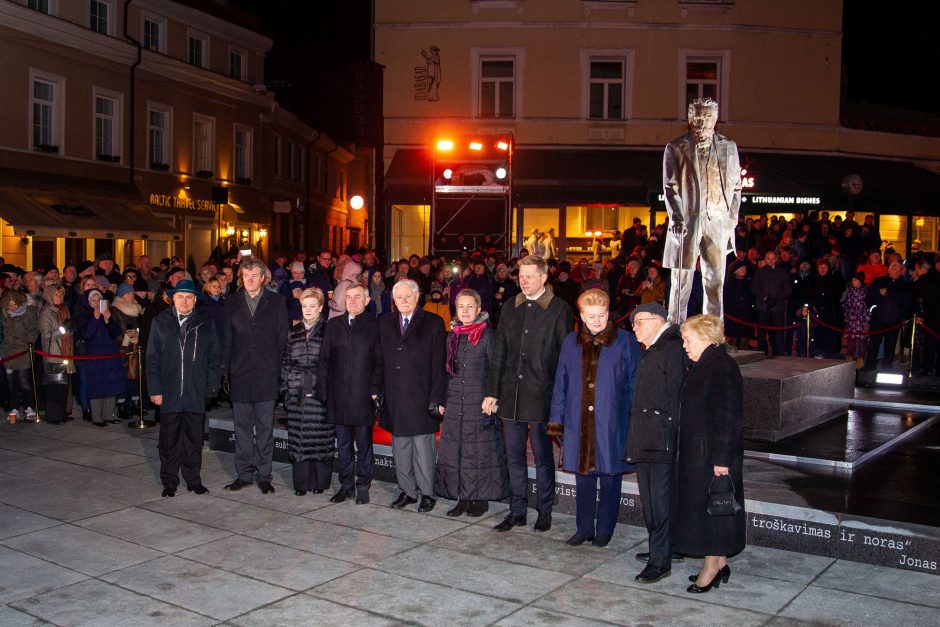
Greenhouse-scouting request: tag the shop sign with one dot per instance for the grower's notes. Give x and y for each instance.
(180, 202)
(782, 200)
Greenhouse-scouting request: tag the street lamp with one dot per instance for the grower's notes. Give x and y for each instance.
(356, 202)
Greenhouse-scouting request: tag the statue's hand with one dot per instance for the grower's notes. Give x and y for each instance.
(679, 229)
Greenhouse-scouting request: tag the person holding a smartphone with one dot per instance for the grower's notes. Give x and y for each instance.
(98, 333)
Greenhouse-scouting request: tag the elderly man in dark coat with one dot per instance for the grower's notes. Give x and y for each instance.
(348, 374)
(182, 372)
(520, 383)
(252, 348)
(771, 287)
(411, 352)
(891, 300)
(651, 444)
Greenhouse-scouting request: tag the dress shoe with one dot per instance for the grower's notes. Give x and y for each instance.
(676, 557)
(317, 491)
(340, 496)
(724, 572)
(100, 424)
(578, 539)
(86, 415)
(510, 521)
(169, 492)
(236, 485)
(543, 522)
(714, 583)
(198, 488)
(266, 487)
(652, 574)
(478, 508)
(299, 492)
(459, 510)
(601, 541)
(362, 497)
(427, 504)
(403, 500)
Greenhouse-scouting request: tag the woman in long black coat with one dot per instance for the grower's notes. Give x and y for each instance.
(310, 438)
(739, 303)
(471, 465)
(825, 291)
(710, 446)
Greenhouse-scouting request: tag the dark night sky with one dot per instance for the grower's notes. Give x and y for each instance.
(890, 53)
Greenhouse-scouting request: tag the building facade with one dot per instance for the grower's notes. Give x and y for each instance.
(592, 90)
(146, 127)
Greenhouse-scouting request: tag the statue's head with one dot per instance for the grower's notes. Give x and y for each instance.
(703, 115)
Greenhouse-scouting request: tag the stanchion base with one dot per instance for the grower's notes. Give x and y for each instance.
(141, 424)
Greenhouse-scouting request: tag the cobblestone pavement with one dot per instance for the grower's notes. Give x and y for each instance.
(85, 538)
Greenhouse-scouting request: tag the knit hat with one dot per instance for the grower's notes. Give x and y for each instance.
(141, 285)
(123, 289)
(860, 276)
(84, 266)
(654, 309)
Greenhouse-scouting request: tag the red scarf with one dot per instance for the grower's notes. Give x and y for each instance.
(473, 332)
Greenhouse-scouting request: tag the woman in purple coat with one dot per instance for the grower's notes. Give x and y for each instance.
(591, 405)
(98, 333)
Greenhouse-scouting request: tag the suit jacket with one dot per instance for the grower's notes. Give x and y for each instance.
(253, 346)
(682, 187)
(348, 370)
(412, 367)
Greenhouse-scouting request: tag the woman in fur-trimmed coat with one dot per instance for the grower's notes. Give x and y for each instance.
(591, 405)
(310, 438)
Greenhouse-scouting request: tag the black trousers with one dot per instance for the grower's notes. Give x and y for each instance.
(311, 474)
(180, 446)
(57, 396)
(515, 434)
(777, 339)
(874, 343)
(597, 517)
(21, 388)
(254, 439)
(654, 481)
(355, 463)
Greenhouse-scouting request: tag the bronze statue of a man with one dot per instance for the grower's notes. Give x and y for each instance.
(702, 187)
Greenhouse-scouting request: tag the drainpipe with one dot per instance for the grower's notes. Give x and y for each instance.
(133, 93)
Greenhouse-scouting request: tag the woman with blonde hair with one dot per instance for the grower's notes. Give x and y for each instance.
(709, 453)
(591, 404)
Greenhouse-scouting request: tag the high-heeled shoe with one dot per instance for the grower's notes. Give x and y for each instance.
(714, 583)
(724, 572)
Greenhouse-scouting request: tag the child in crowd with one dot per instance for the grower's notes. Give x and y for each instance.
(856, 320)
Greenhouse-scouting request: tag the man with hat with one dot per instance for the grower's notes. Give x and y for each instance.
(183, 370)
(653, 424)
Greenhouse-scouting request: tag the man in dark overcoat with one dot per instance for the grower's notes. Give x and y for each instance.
(651, 444)
(182, 372)
(890, 299)
(411, 351)
(348, 373)
(520, 383)
(771, 287)
(252, 347)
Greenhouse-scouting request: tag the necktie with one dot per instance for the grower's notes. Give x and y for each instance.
(404, 325)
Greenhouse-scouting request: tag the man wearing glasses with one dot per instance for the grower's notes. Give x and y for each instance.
(320, 274)
(652, 438)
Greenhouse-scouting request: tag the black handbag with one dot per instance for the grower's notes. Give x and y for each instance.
(720, 499)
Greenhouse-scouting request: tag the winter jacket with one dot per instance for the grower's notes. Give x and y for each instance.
(348, 370)
(309, 435)
(183, 365)
(253, 346)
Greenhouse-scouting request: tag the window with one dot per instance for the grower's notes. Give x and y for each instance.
(302, 161)
(198, 50)
(159, 125)
(291, 161)
(236, 65)
(39, 5)
(242, 154)
(46, 109)
(277, 155)
(497, 87)
(316, 170)
(704, 74)
(606, 89)
(43, 102)
(203, 146)
(153, 33)
(100, 17)
(106, 128)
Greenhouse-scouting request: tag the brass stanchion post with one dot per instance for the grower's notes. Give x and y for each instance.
(141, 423)
(808, 331)
(910, 362)
(32, 373)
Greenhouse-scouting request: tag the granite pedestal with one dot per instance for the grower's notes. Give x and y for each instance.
(786, 395)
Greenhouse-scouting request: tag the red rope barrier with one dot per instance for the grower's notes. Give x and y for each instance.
(82, 357)
(763, 326)
(921, 324)
(13, 356)
(878, 332)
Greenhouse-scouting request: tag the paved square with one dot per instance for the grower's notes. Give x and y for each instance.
(85, 538)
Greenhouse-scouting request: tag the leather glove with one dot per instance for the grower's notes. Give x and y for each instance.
(226, 387)
(434, 412)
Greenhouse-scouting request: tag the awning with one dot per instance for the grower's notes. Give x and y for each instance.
(41, 205)
(625, 176)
